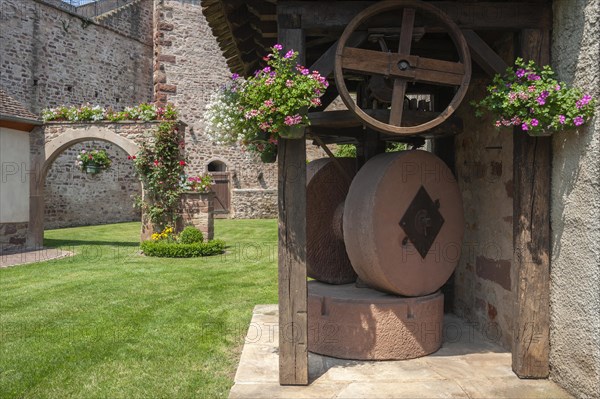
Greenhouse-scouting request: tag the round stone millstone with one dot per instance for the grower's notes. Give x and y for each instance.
(326, 190)
(363, 324)
(403, 223)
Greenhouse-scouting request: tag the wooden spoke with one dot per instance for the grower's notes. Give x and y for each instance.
(426, 70)
(406, 32)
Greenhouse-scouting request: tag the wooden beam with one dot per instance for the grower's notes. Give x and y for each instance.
(334, 16)
(532, 161)
(326, 61)
(483, 54)
(293, 323)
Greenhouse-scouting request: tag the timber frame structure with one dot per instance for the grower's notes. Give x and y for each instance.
(245, 31)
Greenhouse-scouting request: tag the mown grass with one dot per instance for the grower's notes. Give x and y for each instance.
(110, 323)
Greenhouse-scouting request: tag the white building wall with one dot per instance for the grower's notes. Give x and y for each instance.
(575, 266)
(14, 181)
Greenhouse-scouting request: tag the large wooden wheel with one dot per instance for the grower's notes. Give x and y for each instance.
(402, 67)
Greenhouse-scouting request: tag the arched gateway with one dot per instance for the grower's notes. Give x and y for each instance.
(52, 139)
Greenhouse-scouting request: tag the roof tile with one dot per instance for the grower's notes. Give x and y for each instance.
(12, 108)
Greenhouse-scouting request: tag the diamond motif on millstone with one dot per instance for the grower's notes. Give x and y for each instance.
(422, 221)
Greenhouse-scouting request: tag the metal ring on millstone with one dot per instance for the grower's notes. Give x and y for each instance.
(326, 190)
(403, 223)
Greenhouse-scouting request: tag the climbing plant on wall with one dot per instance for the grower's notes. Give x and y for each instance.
(160, 165)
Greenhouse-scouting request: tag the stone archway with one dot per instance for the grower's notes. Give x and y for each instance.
(55, 147)
(53, 139)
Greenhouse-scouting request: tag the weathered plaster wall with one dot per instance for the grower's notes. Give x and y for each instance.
(51, 57)
(575, 273)
(14, 189)
(482, 285)
(14, 185)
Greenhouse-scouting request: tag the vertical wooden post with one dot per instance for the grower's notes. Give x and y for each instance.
(532, 161)
(293, 324)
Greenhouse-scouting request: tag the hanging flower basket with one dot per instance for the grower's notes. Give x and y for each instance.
(269, 156)
(531, 99)
(272, 103)
(93, 169)
(292, 132)
(93, 161)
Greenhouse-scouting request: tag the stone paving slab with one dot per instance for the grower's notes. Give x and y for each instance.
(467, 366)
(40, 255)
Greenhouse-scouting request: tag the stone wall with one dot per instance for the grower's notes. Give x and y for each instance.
(99, 7)
(189, 67)
(74, 198)
(51, 57)
(197, 209)
(133, 20)
(575, 263)
(483, 158)
(254, 203)
(14, 237)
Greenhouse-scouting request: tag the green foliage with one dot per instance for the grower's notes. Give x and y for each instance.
(161, 167)
(190, 235)
(345, 151)
(395, 147)
(533, 100)
(197, 184)
(279, 94)
(349, 150)
(88, 113)
(98, 158)
(165, 249)
(110, 323)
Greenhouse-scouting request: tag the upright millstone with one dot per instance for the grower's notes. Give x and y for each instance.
(328, 181)
(404, 223)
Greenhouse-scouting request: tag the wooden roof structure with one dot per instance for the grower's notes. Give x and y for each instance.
(246, 29)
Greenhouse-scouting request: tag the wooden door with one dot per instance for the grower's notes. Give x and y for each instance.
(221, 188)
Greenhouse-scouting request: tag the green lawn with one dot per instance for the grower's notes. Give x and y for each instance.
(110, 323)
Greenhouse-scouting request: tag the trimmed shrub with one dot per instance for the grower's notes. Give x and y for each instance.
(164, 249)
(190, 235)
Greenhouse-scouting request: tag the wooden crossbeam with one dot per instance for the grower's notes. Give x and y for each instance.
(483, 54)
(334, 16)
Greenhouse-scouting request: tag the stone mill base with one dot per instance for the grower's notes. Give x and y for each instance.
(347, 322)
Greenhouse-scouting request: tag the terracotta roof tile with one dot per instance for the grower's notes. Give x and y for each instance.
(12, 108)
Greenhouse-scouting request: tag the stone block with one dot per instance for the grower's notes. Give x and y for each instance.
(360, 323)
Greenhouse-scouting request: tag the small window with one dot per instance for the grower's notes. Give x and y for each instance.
(217, 166)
